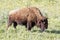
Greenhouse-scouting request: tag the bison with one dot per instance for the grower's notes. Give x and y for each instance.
(29, 17)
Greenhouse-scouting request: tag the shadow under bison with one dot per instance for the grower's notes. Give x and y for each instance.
(29, 17)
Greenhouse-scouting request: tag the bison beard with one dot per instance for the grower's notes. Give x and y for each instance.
(29, 17)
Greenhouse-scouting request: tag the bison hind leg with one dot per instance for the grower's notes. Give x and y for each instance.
(9, 24)
(14, 24)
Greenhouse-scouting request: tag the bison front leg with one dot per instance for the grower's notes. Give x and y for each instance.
(29, 25)
(9, 23)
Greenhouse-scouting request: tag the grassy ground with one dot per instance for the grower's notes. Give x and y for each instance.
(49, 8)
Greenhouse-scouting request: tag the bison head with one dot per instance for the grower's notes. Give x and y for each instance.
(43, 23)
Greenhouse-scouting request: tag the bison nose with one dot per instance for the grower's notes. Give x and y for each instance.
(42, 30)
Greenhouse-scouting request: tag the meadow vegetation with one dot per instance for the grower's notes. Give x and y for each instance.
(49, 8)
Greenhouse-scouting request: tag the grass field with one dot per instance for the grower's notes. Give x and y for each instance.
(49, 8)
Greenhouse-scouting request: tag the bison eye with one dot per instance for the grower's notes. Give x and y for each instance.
(43, 22)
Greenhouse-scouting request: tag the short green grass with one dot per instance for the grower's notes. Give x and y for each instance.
(49, 8)
(52, 33)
